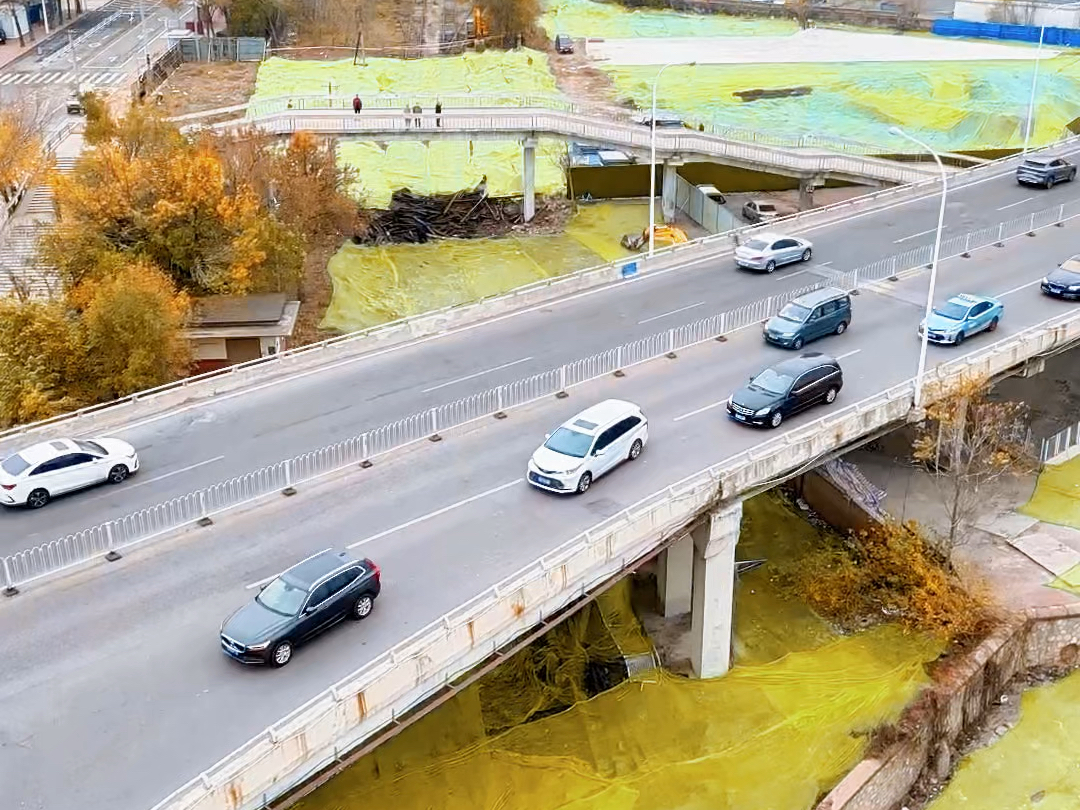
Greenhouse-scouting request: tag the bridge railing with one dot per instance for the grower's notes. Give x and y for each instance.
(361, 705)
(112, 537)
(1060, 446)
(549, 289)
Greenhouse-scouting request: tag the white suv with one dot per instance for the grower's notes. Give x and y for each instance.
(592, 443)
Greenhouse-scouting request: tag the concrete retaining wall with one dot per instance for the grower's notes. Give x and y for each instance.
(963, 691)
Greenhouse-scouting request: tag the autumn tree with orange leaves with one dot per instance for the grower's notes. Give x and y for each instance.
(22, 158)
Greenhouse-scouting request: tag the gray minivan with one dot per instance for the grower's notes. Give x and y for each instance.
(816, 314)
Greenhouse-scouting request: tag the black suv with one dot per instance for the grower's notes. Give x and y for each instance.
(298, 604)
(1045, 170)
(786, 388)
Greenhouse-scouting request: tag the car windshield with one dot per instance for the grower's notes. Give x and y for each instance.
(281, 597)
(952, 311)
(766, 207)
(757, 244)
(794, 312)
(14, 465)
(1034, 164)
(91, 447)
(772, 381)
(569, 442)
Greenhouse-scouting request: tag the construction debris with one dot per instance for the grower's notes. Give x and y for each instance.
(779, 92)
(417, 219)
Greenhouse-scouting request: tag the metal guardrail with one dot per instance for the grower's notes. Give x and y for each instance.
(552, 288)
(1060, 443)
(595, 128)
(113, 536)
(368, 700)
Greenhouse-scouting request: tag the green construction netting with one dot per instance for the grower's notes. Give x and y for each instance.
(583, 18)
(782, 727)
(1033, 766)
(373, 285)
(1057, 495)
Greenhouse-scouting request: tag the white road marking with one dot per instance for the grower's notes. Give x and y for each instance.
(672, 312)
(436, 513)
(848, 354)
(1013, 205)
(174, 472)
(1021, 287)
(786, 276)
(476, 374)
(708, 407)
(913, 236)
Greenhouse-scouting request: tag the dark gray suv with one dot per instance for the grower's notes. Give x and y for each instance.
(1045, 170)
(298, 604)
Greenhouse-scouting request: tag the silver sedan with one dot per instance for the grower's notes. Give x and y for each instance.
(767, 251)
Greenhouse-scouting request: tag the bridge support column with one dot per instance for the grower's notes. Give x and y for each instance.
(667, 194)
(806, 191)
(675, 577)
(528, 179)
(714, 592)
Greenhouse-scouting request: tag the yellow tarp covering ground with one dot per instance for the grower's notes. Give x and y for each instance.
(445, 167)
(1057, 495)
(582, 18)
(1034, 766)
(373, 285)
(772, 734)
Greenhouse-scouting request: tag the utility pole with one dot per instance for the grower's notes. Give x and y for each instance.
(74, 64)
(142, 33)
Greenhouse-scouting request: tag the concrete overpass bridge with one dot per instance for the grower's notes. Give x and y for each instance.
(805, 160)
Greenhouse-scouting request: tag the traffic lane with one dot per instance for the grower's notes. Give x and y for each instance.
(124, 50)
(182, 454)
(438, 561)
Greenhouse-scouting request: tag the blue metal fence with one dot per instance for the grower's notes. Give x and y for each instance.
(1062, 37)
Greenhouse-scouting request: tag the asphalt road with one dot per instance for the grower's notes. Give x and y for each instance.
(204, 443)
(112, 680)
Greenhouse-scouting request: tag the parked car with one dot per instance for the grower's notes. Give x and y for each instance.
(816, 314)
(1065, 281)
(34, 476)
(563, 43)
(767, 251)
(589, 445)
(712, 192)
(961, 317)
(759, 211)
(299, 604)
(1045, 170)
(785, 388)
(663, 120)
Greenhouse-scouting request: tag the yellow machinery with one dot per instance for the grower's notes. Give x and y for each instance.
(662, 235)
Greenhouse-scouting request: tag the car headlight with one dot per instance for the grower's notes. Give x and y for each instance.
(762, 411)
(1044, 280)
(258, 647)
(1073, 288)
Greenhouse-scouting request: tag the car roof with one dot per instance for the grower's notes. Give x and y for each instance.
(1072, 264)
(804, 362)
(966, 299)
(43, 451)
(307, 572)
(816, 297)
(597, 416)
(759, 202)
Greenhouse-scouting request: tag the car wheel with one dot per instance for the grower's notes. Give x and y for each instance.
(363, 606)
(960, 338)
(1072, 175)
(830, 396)
(992, 326)
(806, 255)
(776, 419)
(584, 483)
(118, 474)
(281, 654)
(1050, 182)
(797, 343)
(635, 449)
(37, 498)
(770, 266)
(841, 327)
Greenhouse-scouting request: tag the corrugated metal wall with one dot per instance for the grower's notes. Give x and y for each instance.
(1068, 37)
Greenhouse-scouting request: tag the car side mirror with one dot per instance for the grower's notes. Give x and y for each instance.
(547, 435)
(309, 609)
(599, 451)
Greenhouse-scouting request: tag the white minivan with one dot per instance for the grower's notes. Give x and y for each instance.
(592, 443)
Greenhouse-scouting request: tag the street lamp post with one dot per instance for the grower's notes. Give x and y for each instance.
(1030, 125)
(652, 153)
(933, 263)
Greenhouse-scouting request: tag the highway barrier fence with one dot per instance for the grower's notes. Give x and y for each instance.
(112, 537)
(322, 731)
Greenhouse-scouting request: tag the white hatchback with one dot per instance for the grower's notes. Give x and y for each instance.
(34, 476)
(592, 443)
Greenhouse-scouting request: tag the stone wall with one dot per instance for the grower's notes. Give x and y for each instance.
(961, 693)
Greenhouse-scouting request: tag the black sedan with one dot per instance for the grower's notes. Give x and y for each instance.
(1065, 281)
(786, 388)
(298, 604)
